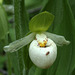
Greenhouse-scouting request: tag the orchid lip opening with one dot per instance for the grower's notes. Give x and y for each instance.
(42, 40)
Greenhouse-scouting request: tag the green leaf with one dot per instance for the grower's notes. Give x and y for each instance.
(41, 22)
(2, 60)
(1, 1)
(59, 40)
(63, 25)
(73, 73)
(33, 3)
(3, 23)
(27, 61)
(72, 3)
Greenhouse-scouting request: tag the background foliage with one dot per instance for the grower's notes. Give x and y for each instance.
(18, 63)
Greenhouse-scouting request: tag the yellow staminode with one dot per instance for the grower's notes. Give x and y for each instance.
(42, 44)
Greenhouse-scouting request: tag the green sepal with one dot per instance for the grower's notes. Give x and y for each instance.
(41, 22)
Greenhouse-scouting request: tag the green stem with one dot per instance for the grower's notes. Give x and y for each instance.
(13, 59)
(9, 64)
(24, 18)
(21, 28)
(27, 72)
(8, 58)
(18, 29)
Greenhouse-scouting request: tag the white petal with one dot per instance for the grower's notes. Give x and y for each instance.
(59, 40)
(41, 37)
(16, 45)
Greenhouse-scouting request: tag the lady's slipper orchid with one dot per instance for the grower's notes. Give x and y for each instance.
(42, 49)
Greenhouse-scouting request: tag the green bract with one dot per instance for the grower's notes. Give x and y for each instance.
(41, 22)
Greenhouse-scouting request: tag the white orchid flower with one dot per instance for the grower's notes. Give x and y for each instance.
(43, 45)
(42, 51)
